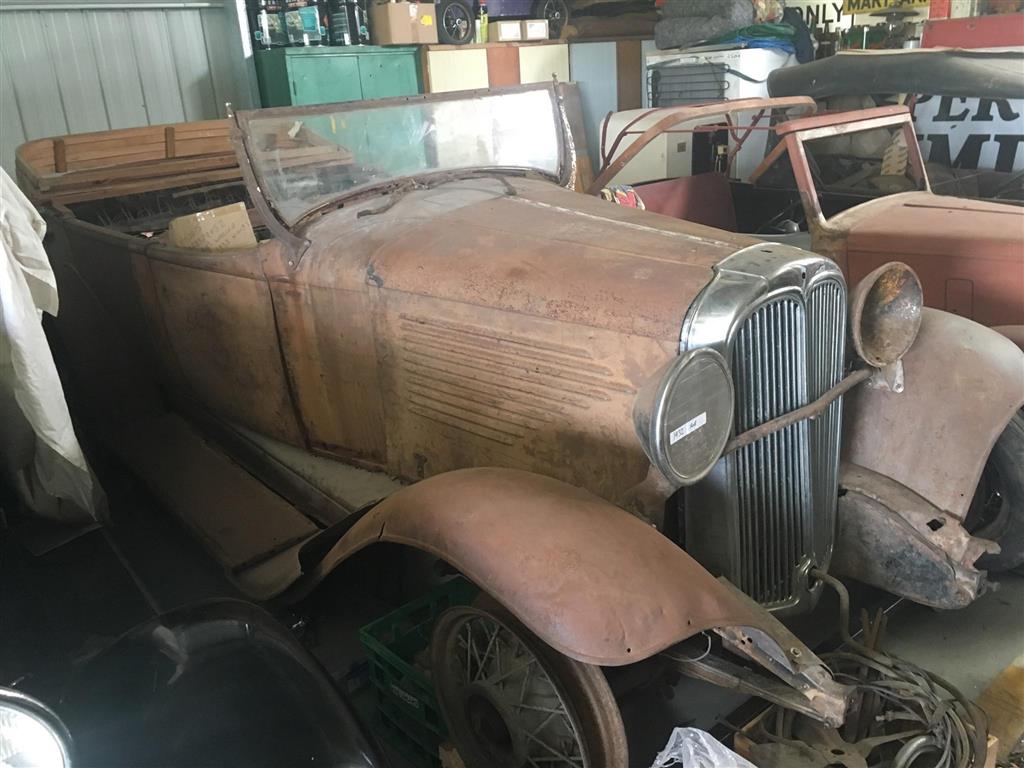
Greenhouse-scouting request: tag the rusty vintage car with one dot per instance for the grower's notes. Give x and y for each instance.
(591, 412)
(851, 186)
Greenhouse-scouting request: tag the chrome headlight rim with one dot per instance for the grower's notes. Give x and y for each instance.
(658, 435)
(16, 704)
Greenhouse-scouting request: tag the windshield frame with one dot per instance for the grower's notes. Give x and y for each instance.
(798, 132)
(265, 203)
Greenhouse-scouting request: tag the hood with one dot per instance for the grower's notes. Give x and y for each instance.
(543, 251)
(927, 224)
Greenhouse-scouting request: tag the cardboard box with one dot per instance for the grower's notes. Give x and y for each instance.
(219, 229)
(403, 23)
(504, 31)
(535, 29)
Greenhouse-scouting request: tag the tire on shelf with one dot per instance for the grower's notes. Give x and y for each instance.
(556, 12)
(455, 22)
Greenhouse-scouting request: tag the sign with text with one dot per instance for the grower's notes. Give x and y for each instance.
(868, 6)
(822, 15)
(985, 134)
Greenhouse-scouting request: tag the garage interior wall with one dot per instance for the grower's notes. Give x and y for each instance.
(72, 67)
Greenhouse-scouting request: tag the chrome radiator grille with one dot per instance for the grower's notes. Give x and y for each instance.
(826, 313)
(786, 354)
(766, 513)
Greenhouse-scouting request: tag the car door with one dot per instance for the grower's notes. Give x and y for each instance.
(216, 317)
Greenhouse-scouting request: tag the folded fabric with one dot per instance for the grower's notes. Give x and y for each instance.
(775, 36)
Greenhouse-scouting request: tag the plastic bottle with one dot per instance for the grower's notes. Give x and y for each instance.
(481, 23)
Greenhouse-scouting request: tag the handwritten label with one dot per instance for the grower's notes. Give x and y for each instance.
(692, 425)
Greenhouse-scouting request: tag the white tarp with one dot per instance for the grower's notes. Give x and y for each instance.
(39, 453)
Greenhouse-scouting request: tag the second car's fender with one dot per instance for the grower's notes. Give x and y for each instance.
(589, 579)
(962, 384)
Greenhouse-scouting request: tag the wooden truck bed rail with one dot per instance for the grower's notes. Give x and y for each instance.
(91, 166)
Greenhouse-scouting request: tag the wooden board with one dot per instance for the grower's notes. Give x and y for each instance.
(1003, 702)
(110, 163)
(629, 66)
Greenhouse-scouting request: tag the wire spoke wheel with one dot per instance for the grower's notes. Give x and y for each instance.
(457, 22)
(506, 704)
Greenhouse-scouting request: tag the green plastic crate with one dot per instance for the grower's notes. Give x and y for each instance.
(416, 743)
(410, 718)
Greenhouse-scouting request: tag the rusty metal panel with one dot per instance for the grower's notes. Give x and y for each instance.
(328, 348)
(550, 253)
(591, 580)
(538, 395)
(963, 383)
(890, 537)
(222, 330)
(969, 254)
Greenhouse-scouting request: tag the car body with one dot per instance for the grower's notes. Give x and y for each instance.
(214, 683)
(969, 254)
(826, 175)
(551, 378)
(966, 106)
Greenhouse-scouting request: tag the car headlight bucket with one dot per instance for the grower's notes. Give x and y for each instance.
(32, 734)
(885, 313)
(683, 417)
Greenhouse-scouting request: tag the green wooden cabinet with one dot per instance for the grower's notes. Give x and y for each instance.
(321, 75)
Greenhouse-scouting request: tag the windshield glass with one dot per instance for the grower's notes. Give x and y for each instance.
(307, 157)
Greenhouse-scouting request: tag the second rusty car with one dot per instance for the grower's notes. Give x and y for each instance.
(591, 412)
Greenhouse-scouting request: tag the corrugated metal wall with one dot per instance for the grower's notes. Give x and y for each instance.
(89, 66)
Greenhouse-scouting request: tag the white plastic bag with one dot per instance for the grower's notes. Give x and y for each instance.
(694, 748)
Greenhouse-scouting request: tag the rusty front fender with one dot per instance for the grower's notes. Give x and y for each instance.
(589, 579)
(963, 384)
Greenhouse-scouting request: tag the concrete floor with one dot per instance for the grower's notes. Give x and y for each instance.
(50, 614)
(969, 647)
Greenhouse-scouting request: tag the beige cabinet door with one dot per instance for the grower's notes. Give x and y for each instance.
(540, 63)
(457, 70)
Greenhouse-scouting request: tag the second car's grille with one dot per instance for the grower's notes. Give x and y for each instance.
(785, 355)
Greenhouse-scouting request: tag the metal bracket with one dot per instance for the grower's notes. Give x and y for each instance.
(890, 377)
(726, 674)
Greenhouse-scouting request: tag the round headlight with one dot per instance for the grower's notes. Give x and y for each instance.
(31, 734)
(684, 416)
(885, 313)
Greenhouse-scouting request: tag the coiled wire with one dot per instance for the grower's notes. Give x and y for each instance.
(942, 720)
